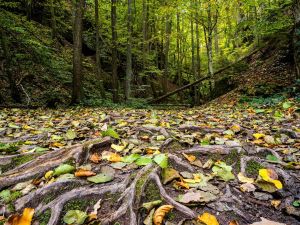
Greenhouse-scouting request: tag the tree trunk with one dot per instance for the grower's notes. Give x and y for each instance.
(128, 53)
(29, 9)
(15, 93)
(53, 19)
(145, 32)
(297, 37)
(98, 50)
(77, 51)
(198, 63)
(166, 53)
(115, 84)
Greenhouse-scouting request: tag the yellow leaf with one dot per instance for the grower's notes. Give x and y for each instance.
(258, 135)
(208, 219)
(275, 203)
(197, 179)
(118, 148)
(112, 157)
(160, 213)
(233, 222)
(49, 174)
(244, 179)
(190, 158)
(235, 128)
(265, 175)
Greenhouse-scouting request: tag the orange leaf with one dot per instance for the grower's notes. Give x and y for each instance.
(190, 158)
(95, 158)
(233, 222)
(24, 219)
(208, 219)
(160, 213)
(84, 173)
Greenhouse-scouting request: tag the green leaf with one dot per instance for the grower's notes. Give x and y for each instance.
(71, 134)
(63, 169)
(143, 161)
(5, 195)
(161, 160)
(40, 149)
(75, 217)
(14, 126)
(258, 111)
(273, 158)
(118, 165)
(111, 133)
(131, 158)
(287, 105)
(296, 203)
(100, 178)
(223, 171)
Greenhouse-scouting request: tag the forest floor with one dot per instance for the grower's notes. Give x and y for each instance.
(235, 163)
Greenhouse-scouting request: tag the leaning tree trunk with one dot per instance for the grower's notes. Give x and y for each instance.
(115, 85)
(77, 51)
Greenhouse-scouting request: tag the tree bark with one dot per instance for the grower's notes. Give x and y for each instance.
(166, 52)
(129, 53)
(297, 37)
(53, 19)
(15, 92)
(98, 50)
(115, 84)
(77, 51)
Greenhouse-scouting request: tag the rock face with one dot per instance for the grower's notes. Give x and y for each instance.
(297, 36)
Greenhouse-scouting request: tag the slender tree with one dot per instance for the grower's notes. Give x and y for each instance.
(115, 84)
(53, 19)
(128, 53)
(98, 50)
(77, 51)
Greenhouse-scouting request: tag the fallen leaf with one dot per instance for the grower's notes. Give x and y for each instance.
(95, 158)
(267, 222)
(84, 173)
(111, 156)
(161, 160)
(119, 148)
(100, 178)
(223, 171)
(24, 219)
(75, 217)
(149, 219)
(275, 203)
(247, 187)
(190, 158)
(169, 174)
(196, 197)
(160, 213)
(150, 205)
(268, 175)
(233, 222)
(63, 169)
(208, 219)
(243, 179)
(258, 135)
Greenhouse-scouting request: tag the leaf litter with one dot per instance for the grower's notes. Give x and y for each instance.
(244, 161)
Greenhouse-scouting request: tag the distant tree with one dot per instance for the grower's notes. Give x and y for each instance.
(129, 53)
(115, 81)
(77, 51)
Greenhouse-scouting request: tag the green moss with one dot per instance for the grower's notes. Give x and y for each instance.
(171, 216)
(252, 168)
(152, 192)
(17, 161)
(234, 158)
(44, 218)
